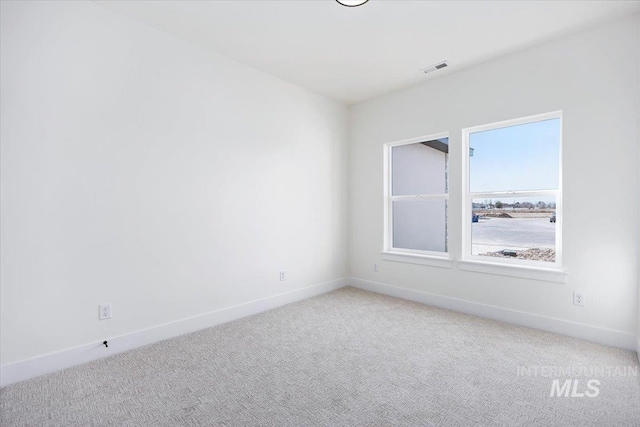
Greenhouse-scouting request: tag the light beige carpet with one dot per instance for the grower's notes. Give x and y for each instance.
(346, 358)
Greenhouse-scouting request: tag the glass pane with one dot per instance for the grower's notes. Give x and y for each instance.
(420, 225)
(515, 158)
(420, 168)
(516, 227)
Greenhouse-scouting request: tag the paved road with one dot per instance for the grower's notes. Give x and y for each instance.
(494, 234)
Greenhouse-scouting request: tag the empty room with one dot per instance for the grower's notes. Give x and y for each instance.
(319, 213)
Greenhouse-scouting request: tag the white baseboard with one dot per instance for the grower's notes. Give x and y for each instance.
(52, 362)
(559, 326)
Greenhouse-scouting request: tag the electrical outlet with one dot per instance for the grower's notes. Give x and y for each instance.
(375, 267)
(104, 311)
(282, 276)
(578, 299)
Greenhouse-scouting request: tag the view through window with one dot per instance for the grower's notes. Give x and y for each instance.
(418, 196)
(514, 190)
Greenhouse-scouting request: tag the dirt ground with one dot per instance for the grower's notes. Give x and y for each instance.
(532, 238)
(533, 254)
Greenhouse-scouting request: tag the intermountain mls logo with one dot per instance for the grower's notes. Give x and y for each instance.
(559, 391)
(572, 386)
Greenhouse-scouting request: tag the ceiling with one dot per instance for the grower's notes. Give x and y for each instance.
(354, 54)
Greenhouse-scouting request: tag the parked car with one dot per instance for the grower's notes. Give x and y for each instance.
(553, 218)
(475, 218)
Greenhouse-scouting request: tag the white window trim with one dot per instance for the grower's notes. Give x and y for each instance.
(538, 270)
(389, 253)
(410, 258)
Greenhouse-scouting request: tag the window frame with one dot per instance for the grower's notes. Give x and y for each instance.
(415, 256)
(467, 200)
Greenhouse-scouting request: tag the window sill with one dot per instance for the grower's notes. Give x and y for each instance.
(430, 260)
(535, 273)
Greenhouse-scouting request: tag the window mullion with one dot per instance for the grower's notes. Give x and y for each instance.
(494, 194)
(418, 197)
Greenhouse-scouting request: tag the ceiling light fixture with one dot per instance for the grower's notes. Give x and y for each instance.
(352, 3)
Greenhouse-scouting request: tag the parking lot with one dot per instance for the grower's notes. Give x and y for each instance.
(495, 234)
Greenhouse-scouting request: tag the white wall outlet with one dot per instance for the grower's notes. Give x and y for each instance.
(282, 278)
(375, 267)
(578, 299)
(104, 311)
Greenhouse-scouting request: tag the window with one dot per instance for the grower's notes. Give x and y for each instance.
(416, 196)
(513, 192)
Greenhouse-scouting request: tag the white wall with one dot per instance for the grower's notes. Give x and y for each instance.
(143, 171)
(593, 78)
(638, 196)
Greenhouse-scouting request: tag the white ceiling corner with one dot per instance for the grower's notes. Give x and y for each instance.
(354, 54)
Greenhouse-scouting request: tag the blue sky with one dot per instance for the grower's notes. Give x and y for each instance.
(522, 157)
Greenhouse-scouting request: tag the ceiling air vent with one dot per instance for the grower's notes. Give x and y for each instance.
(435, 67)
